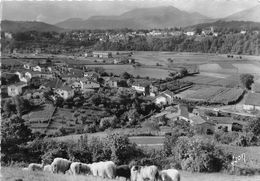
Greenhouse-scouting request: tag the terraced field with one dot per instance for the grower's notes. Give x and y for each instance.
(230, 81)
(212, 94)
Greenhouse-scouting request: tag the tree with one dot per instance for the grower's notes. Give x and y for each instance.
(15, 134)
(246, 80)
(126, 75)
(8, 108)
(254, 126)
(122, 151)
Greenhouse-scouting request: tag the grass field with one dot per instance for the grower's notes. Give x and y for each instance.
(17, 174)
(139, 140)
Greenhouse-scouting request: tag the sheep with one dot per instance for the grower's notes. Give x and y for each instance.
(60, 165)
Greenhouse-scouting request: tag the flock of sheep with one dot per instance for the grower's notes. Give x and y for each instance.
(107, 169)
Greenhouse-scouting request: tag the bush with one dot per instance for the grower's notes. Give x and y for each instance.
(225, 137)
(197, 155)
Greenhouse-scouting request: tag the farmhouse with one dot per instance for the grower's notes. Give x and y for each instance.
(53, 84)
(190, 33)
(89, 84)
(16, 89)
(65, 92)
(27, 66)
(227, 123)
(205, 127)
(164, 98)
(88, 54)
(154, 90)
(142, 86)
(37, 68)
(92, 75)
(252, 102)
(24, 77)
(102, 54)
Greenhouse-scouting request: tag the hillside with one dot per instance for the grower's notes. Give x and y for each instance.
(140, 18)
(252, 14)
(22, 26)
(237, 25)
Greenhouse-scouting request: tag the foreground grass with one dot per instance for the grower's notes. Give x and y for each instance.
(14, 174)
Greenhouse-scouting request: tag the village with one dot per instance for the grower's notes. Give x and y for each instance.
(61, 96)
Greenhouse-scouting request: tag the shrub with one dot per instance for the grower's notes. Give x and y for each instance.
(197, 155)
(225, 137)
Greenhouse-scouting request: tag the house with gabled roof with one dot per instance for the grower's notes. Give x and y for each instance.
(64, 91)
(142, 86)
(16, 89)
(227, 123)
(92, 75)
(53, 84)
(165, 98)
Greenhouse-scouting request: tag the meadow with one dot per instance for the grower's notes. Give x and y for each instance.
(17, 174)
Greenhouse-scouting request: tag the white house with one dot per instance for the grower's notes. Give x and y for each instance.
(16, 89)
(161, 99)
(65, 92)
(190, 33)
(37, 68)
(164, 98)
(8, 35)
(26, 77)
(243, 32)
(27, 66)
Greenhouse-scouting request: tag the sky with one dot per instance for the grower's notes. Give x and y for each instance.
(56, 11)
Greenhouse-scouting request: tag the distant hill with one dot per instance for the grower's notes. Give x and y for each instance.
(238, 25)
(252, 14)
(21, 26)
(140, 18)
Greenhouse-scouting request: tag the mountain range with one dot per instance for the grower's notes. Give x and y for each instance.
(252, 14)
(22, 26)
(140, 18)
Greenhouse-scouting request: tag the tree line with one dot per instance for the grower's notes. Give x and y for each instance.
(235, 43)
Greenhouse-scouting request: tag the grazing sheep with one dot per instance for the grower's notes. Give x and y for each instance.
(103, 169)
(75, 168)
(47, 168)
(170, 175)
(60, 165)
(35, 167)
(140, 173)
(85, 169)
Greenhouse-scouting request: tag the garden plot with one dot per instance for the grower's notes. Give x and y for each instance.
(231, 81)
(212, 94)
(228, 96)
(205, 94)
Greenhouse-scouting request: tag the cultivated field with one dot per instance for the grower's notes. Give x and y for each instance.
(12, 174)
(212, 94)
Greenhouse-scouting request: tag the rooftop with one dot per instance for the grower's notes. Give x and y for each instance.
(54, 84)
(225, 120)
(197, 119)
(142, 82)
(19, 84)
